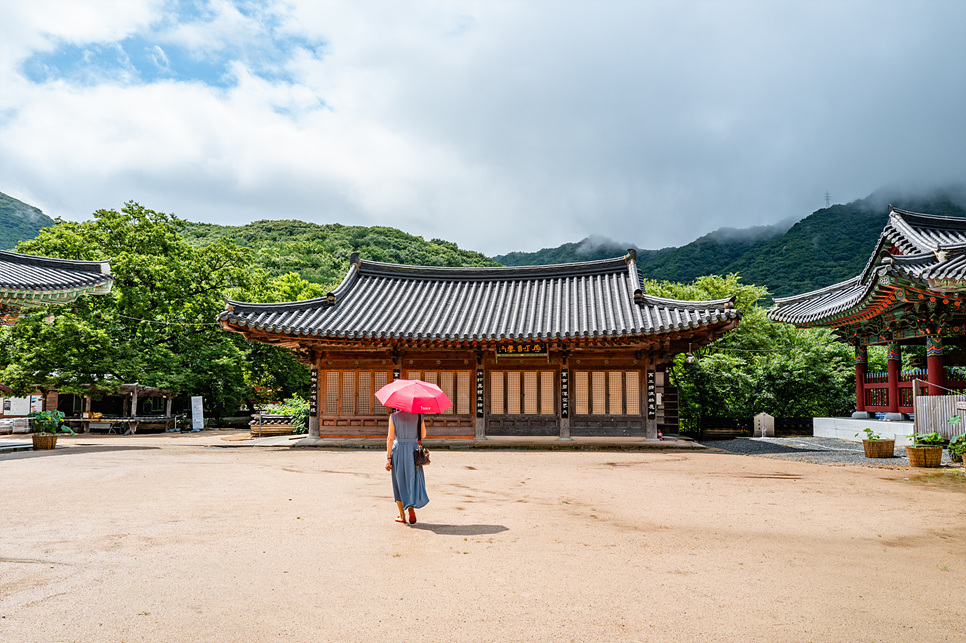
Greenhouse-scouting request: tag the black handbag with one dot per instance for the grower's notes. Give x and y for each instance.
(420, 455)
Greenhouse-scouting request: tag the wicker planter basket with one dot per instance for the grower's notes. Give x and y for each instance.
(43, 441)
(930, 457)
(879, 448)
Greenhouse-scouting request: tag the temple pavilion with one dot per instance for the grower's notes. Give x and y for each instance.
(563, 350)
(911, 293)
(26, 280)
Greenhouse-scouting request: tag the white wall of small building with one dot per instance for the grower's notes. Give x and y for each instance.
(847, 428)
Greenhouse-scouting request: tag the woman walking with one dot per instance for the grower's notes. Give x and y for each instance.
(408, 483)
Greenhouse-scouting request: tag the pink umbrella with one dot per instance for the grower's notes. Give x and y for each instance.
(414, 396)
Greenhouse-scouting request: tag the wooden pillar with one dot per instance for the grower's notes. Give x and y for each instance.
(934, 365)
(895, 365)
(168, 399)
(85, 408)
(134, 401)
(861, 369)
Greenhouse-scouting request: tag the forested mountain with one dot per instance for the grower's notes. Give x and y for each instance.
(828, 246)
(320, 253)
(19, 221)
(832, 244)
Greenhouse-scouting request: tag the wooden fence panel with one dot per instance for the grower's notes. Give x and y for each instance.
(934, 411)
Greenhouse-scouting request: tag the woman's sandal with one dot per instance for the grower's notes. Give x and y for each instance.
(412, 516)
(402, 520)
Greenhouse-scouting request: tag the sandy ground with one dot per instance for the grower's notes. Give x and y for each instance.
(149, 540)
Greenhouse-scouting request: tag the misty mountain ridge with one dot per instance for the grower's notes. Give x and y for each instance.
(790, 257)
(19, 221)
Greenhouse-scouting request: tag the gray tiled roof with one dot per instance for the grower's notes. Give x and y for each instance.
(933, 255)
(28, 277)
(390, 301)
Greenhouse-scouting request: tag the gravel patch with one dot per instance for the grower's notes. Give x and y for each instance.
(812, 449)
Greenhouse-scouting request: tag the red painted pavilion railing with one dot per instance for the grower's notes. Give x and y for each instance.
(876, 387)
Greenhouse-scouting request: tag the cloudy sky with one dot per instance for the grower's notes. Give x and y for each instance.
(498, 125)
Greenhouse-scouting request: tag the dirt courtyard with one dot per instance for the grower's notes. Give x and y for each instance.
(142, 542)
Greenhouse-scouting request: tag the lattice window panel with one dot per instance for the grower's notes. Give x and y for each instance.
(431, 376)
(496, 392)
(348, 393)
(581, 393)
(446, 383)
(463, 398)
(531, 400)
(513, 393)
(615, 385)
(365, 393)
(379, 379)
(633, 383)
(598, 393)
(548, 393)
(332, 393)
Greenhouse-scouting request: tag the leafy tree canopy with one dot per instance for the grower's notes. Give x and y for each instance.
(761, 366)
(157, 327)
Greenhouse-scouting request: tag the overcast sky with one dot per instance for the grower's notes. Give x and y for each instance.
(498, 125)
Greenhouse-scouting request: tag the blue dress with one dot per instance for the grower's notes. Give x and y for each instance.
(408, 483)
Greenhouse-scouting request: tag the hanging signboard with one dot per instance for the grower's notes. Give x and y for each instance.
(529, 349)
(651, 396)
(479, 392)
(564, 393)
(314, 393)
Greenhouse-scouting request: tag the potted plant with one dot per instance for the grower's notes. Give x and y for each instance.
(47, 425)
(957, 448)
(926, 450)
(875, 446)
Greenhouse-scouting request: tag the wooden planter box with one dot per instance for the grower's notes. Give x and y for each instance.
(272, 425)
(929, 457)
(44, 441)
(879, 448)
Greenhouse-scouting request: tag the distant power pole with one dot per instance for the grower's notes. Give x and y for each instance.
(828, 199)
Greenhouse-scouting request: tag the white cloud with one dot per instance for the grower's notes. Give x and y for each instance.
(501, 126)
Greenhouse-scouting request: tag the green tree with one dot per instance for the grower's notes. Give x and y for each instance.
(157, 327)
(761, 366)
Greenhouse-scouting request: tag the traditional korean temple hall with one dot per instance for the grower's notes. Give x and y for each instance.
(912, 292)
(563, 350)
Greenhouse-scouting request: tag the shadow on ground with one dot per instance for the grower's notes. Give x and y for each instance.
(749, 447)
(460, 530)
(75, 449)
